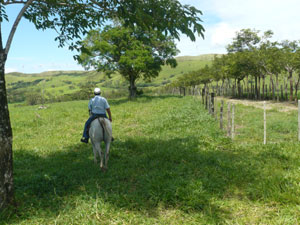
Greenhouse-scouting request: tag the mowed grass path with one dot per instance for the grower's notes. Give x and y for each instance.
(170, 164)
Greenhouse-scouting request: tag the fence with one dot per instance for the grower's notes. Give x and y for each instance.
(210, 103)
(246, 90)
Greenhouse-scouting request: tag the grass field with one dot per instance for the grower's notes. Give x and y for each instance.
(170, 164)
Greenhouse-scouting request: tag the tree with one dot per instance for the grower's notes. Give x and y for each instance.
(219, 68)
(245, 39)
(289, 48)
(269, 56)
(72, 19)
(132, 52)
(245, 46)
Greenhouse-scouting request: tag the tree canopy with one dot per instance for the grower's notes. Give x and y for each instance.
(253, 55)
(132, 52)
(73, 18)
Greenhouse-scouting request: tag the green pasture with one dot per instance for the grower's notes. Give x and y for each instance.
(281, 121)
(170, 164)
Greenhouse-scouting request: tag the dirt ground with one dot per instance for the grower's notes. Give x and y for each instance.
(280, 106)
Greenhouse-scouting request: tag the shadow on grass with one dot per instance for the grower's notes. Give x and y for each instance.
(182, 174)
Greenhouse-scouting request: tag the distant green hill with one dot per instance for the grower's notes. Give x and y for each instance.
(59, 83)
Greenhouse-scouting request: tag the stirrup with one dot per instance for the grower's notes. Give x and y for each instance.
(84, 140)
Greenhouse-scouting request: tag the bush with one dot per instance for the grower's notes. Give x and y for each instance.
(15, 95)
(33, 98)
(67, 82)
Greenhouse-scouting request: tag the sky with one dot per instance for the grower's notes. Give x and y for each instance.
(34, 51)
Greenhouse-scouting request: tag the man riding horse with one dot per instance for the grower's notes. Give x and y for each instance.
(98, 106)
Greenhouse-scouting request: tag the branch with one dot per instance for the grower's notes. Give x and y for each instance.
(9, 2)
(16, 23)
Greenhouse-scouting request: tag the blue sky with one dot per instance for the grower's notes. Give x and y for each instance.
(35, 51)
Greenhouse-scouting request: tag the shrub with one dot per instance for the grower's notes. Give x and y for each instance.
(33, 98)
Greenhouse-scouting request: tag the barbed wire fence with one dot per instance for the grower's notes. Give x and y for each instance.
(215, 107)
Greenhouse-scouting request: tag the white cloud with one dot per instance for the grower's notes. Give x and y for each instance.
(222, 18)
(280, 16)
(222, 34)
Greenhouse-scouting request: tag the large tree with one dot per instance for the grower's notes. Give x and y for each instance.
(132, 52)
(72, 19)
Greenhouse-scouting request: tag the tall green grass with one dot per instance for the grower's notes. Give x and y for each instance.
(170, 164)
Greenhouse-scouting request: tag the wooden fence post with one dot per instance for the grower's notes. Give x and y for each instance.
(221, 115)
(228, 120)
(232, 122)
(265, 124)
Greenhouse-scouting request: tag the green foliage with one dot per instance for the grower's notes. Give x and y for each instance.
(245, 40)
(77, 17)
(170, 164)
(33, 98)
(201, 76)
(134, 53)
(252, 56)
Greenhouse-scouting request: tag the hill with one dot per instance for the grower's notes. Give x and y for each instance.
(60, 83)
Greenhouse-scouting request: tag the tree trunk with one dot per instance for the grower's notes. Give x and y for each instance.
(296, 86)
(222, 88)
(277, 86)
(239, 88)
(273, 87)
(256, 89)
(258, 93)
(132, 88)
(6, 159)
(291, 86)
(263, 88)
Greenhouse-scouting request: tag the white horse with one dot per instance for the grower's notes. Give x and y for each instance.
(101, 130)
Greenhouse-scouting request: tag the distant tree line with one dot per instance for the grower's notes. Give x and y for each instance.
(253, 67)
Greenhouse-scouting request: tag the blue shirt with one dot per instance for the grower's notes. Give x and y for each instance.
(98, 105)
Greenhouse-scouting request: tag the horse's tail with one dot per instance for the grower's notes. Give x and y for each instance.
(103, 122)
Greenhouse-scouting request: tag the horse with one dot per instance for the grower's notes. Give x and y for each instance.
(101, 130)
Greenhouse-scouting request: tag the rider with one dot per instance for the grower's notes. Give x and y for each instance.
(98, 106)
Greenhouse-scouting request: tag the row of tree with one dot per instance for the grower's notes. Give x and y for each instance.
(251, 56)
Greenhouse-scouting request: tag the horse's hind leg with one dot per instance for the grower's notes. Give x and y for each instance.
(95, 151)
(100, 154)
(107, 145)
